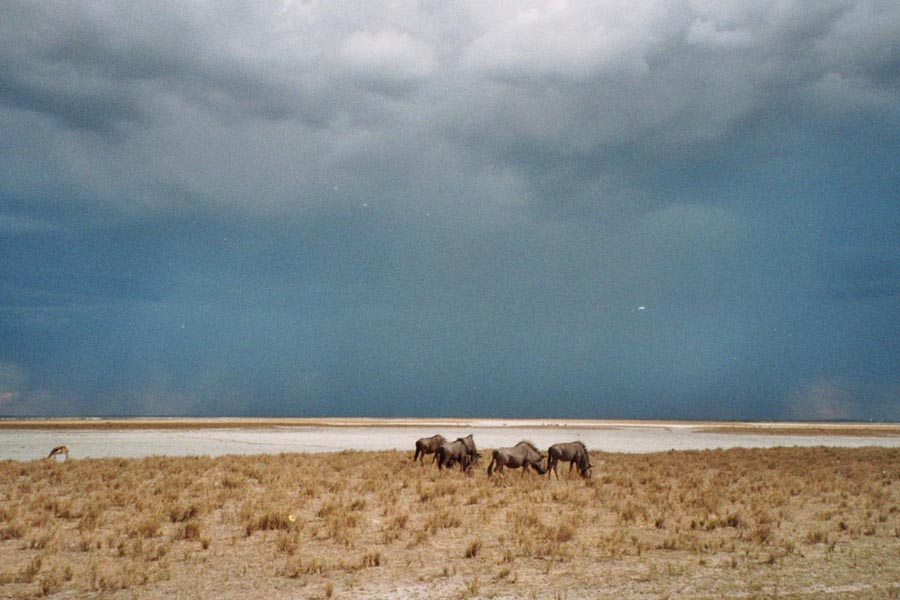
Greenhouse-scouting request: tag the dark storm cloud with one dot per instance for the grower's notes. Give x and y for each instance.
(661, 208)
(101, 71)
(866, 273)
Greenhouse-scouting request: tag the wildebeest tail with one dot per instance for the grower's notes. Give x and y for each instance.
(491, 466)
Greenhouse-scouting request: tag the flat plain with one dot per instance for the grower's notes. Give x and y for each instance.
(752, 523)
(766, 427)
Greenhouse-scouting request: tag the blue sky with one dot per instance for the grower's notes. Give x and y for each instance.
(651, 209)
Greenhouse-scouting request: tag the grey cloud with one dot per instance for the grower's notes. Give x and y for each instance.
(99, 110)
(15, 224)
(687, 94)
(12, 382)
(865, 274)
(387, 58)
(863, 44)
(307, 208)
(101, 72)
(841, 398)
(579, 99)
(692, 224)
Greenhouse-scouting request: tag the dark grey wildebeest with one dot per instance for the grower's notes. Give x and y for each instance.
(428, 445)
(522, 455)
(468, 461)
(461, 450)
(574, 453)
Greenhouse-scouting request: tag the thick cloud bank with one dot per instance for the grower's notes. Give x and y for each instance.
(621, 209)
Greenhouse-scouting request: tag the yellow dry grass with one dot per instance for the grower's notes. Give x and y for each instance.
(752, 523)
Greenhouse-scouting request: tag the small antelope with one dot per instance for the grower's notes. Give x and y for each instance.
(64, 450)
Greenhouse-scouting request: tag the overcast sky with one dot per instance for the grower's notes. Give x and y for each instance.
(641, 208)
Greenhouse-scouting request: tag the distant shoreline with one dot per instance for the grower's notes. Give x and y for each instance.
(735, 427)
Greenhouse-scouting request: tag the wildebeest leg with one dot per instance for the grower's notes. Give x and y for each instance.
(490, 469)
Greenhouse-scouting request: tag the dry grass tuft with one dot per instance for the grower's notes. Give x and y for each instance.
(473, 548)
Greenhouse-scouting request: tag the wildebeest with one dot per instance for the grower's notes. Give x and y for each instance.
(468, 461)
(428, 445)
(524, 455)
(575, 453)
(461, 450)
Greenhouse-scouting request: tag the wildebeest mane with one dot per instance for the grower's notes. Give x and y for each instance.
(530, 445)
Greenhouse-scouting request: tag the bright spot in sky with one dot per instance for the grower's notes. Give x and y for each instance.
(642, 308)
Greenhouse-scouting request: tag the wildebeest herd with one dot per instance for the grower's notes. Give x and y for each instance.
(523, 455)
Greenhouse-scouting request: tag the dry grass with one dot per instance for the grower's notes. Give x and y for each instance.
(786, 523)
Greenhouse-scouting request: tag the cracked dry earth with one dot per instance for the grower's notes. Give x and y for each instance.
(743, 523)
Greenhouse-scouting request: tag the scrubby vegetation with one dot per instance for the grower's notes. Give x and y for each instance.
(785, 522)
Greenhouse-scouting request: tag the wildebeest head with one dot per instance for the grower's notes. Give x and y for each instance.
(471, 460)
(585, 467)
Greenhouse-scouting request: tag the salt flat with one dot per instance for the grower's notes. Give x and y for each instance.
(132, 438)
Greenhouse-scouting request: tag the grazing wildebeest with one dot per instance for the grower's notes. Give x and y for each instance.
(575, 453)
(468, 461)
(428, 445)
(524, 455)
(461, 450)
(64, 450)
